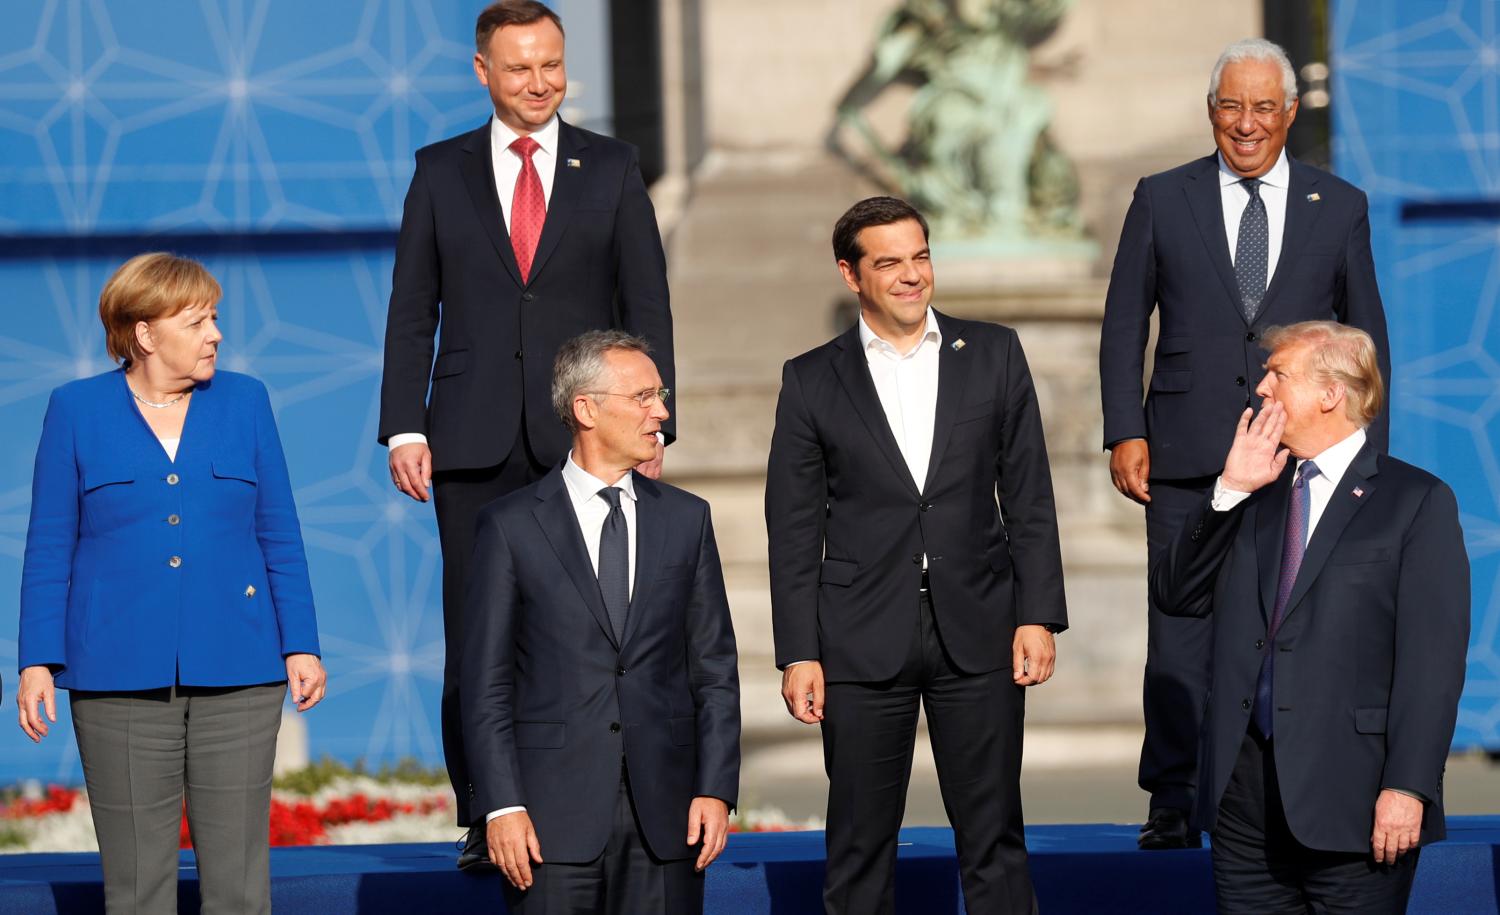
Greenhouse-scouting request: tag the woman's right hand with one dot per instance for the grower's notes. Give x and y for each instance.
(36, 689)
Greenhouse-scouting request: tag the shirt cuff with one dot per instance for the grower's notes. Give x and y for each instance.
(405, 438)
(791, 664)
(502, 812)
(1412, 794)
(1226, 499)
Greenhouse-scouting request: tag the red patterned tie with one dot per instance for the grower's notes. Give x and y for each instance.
(528, 208)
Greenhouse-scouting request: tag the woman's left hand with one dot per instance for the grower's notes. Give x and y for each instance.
(307, 680)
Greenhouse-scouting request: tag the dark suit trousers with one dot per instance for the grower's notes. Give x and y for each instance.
(625, 880)
(868, 734)
(1261, 869)
(1178, 650)
(458, 495)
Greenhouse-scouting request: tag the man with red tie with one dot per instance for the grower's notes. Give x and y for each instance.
(515, 237)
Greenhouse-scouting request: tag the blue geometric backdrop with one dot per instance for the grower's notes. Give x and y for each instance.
(274, 141)
(1416, 117)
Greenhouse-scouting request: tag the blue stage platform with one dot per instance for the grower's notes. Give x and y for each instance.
(1093, 869)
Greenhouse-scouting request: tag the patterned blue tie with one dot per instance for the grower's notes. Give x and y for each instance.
(614, 562)
(1293, 546)
(1251, 249)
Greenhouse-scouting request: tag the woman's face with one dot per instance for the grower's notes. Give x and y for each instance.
(185, 345)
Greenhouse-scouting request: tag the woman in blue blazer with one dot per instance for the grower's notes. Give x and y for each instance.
(165, 585)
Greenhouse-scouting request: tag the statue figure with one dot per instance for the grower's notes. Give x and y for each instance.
(977, 157)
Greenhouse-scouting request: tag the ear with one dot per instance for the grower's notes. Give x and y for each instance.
(481, 70)
(1333, 397)
(144, 338)
(850, 273)
(1291, 113)
(585, 411)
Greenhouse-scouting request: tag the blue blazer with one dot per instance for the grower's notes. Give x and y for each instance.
(141, 572)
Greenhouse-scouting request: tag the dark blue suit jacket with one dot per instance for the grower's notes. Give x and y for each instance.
(599, 264)
(551, 703)
(848, 525)
(102, 601)
(1174, 258)
(1369, 656)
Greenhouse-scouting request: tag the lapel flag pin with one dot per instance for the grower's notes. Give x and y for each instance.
(958, 344)
(1313, 198)
(1358, 493)
(575, 163)
(250, 590)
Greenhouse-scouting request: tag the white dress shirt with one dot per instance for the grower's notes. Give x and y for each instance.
(591, 511)
(507, 166)
(1332, 462)
(1273, 190)
(907, 384)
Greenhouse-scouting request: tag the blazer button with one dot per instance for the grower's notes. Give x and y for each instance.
(614, 727)
(916, 558)
(619, 671)
(1240, 381)
(1259, 644)
(1245, 705)
(520, 353)
(174, 519)
(527, 297)
(1250, 337)
(925, 506)
(175, 561)
(172, 479)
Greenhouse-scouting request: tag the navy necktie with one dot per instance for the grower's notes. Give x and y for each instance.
(614, 562)
(1293, 545)
(1251, 249)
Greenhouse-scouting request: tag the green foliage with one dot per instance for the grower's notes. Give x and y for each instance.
(326, 771)
(12, 837)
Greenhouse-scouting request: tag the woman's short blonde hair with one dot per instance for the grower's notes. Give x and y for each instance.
(149, 287)
(1338, 353)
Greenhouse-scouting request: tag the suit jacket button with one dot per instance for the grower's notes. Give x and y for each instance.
(172, 479)
(916, 558)
(619, 671)
(174, 520)
(1250, 337)
(1259, 644)
(1245, 705)
(527, 297)
(614, 727)
(520, 353)
(1240, 381)
(175, 561)
(925, 506)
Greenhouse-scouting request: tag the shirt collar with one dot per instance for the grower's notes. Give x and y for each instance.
(868, 338)
(1279, 176)
(1335, 459)
(583, 486)
(501, 136)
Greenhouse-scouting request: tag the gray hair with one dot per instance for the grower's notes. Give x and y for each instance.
(580, 362)
(1255, 49)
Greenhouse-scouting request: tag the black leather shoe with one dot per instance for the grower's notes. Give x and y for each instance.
(1167, 827)
(474, 857)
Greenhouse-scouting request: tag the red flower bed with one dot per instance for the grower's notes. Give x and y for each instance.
(305, 823)
(58, 800)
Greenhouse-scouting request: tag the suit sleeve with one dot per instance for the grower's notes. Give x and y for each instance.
(796, 515)
(1182, 578)
(1432, 641)
(487, 675)
(1127, 324)
(51, 538)
(1361, 307)
(280, 536)
(713, 675)
(641, 268)
(1024, 482)
(412, 320)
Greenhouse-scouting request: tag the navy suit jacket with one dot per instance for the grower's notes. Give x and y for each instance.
(1174, 258)
(551, 703)
(848, 525)
(1370, 654)
(598, 264)
(104, 603)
